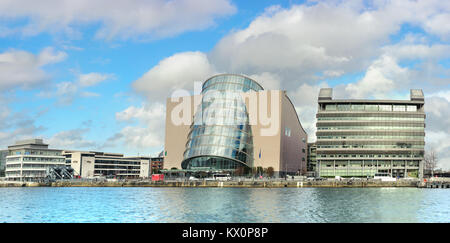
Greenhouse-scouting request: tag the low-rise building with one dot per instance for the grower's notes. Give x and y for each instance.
(90, 164)
(156, 164)
(29, 160)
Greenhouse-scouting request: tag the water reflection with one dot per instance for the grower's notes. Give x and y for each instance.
(231, 205)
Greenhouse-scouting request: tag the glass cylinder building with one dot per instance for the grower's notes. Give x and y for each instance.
(221, 136)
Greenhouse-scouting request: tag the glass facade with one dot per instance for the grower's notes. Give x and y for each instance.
(220, 136)
(358, 138)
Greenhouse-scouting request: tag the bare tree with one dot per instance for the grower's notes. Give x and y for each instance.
(431, 161)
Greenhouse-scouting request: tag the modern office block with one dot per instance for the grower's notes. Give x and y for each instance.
(361, 137)
(29, 160)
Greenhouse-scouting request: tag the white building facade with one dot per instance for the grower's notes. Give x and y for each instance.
(29, 160)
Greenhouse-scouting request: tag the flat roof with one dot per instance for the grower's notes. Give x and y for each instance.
(365, 101)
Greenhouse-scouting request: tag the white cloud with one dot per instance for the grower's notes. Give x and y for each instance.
(179, 71)
(124, 19)
(381, 78)
(21, 69)
(71, 139)
(91, 79)
(149, 131)
(267, 80)
(302, 48)
(67, 91)
(439, 24)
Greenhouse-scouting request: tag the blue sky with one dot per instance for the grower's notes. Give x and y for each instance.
(81, 76)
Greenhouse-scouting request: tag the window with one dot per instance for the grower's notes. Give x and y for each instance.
(358, 107)
(330, 107)
(399, 108)
(287, 131)
(371, 107)
(411, 108)
(344, 107)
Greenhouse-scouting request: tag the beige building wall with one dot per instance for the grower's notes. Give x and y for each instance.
(176, 135)
(277, 150)
(268, 146)
(82, 165)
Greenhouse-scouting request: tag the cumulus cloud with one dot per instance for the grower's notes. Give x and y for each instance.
(21, 69)
(71, 139)
(381, 78)
(437, 107)
(179, 71)
(149, 132)
(124, 19)
(67, 91)
(16, 125)
(305, 47)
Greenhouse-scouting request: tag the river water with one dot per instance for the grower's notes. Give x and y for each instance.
(229, 205)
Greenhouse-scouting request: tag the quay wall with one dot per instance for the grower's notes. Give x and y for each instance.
(237, 184)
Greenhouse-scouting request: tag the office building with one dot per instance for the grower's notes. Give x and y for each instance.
(234, 125)
(311, 159)
(29, 160)
(91, 164)
(362, 137)
(3, 154)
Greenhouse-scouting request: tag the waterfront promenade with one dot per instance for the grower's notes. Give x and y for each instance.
(247, 183)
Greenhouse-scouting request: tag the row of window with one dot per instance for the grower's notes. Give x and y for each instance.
(371, 118)
(372, 137)
(35, 152)
(371, 146)
(212, 162)
(117, 162)
(371, 107)
(237, 80)
(117, 167)
(408, 155)
(421, 127)
(360, 165)
(234, 142)
(218, 150)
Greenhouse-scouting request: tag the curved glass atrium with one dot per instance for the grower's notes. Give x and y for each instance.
(220, 137)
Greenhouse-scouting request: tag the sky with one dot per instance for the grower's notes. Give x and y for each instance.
(95, 75)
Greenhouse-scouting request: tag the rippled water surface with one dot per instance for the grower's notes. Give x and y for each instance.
(230, 205)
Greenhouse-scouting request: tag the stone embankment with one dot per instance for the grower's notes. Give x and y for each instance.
(238, 184)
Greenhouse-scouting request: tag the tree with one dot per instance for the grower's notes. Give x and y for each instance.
(259, 170)
(431, 160)
(270, 171)
(239, 171)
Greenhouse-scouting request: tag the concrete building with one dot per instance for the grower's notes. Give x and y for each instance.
(3, 154)
(311, 160)
(90, 164)
(361, 138)
(28, 160)
(156, 164)
(234, 124)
